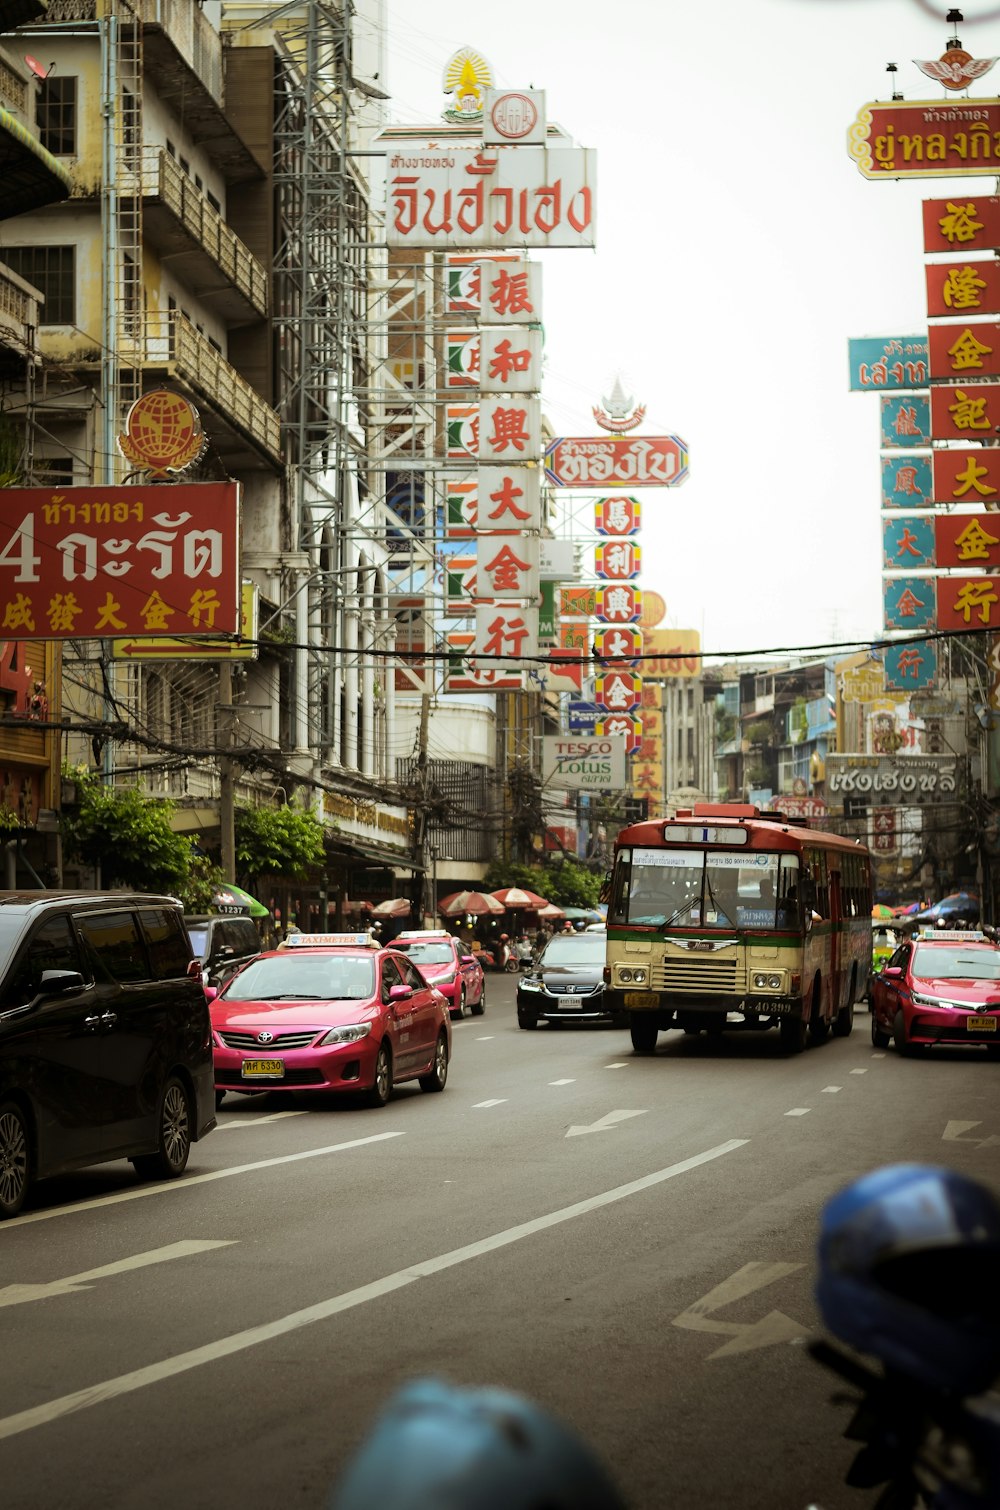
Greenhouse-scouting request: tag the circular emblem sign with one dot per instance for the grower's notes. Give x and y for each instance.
(514, 116)
(163, 433)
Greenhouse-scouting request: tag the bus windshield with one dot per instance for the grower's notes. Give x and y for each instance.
(667, 888)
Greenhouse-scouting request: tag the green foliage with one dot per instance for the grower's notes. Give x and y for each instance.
(563, 881)
(282, 841)
(10, 823)
(203, 880)
(759, 733)
(128, 835)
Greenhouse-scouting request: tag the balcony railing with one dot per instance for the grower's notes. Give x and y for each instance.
(18, 314)
(183, 23)
(13, 90)
(164, 180)
(171, 341)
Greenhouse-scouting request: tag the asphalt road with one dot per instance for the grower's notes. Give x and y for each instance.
(628, 1240)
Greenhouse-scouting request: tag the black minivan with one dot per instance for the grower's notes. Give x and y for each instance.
(105, 1038)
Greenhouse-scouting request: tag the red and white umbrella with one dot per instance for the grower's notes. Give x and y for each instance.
(394, 907)
(477, 902)
(516, 896)
(551, 912)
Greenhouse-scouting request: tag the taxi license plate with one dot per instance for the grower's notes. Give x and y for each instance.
(980, 1024)
(570, 1003)
(263, 1069)
(642, 998)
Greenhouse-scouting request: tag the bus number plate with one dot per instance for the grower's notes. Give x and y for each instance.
(642, 999)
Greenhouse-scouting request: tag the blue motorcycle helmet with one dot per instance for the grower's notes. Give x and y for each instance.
(438, 1446)
(907, 1263)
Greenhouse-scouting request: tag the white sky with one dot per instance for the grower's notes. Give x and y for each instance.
(738, 248)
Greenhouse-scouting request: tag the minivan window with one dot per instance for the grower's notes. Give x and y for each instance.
(166, 942)
(112, 941)
(51, 947)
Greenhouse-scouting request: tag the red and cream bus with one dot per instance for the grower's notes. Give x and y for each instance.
(728, 917)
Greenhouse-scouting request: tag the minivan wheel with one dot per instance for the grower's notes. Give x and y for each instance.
(173, 1136)
(15, 1159)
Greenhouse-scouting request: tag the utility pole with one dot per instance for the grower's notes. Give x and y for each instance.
(227, 814)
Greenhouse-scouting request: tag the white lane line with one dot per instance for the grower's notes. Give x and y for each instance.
(799, 1111)
(479, 1105)
(562, 1082)
(486, 1038)
(257, 1121)
(238, 1342)
(831, 1090)
(166, 1187)
(620, 1064)
(859, 1072)
(878, 1056)
(14, 1295)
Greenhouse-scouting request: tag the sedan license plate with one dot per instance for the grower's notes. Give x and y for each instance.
(570, 1003)
(263, 1069)
(980, 1024)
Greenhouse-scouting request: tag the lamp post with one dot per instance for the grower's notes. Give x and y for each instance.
(434, 882)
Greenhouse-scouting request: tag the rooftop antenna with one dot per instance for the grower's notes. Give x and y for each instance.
(891, 70)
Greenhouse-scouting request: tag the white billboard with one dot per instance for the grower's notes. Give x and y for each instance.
(584, 765)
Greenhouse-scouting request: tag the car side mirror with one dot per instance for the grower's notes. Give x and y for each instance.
(467, 959)
(892, 970)
(60, 982)
(400, 993)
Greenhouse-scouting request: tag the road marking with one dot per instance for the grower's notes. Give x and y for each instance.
(831, 1089)
(955, 1133)
(480, 1105)
(604, 1124)
(238, 1342)
(166, 1187)
(799, 1111)
(562, 1082)
(486, 1038)
(256, 1121)
(859, 1072)
(878, 1056)
(744, 1335)
(620, 1064)
(15, 1295)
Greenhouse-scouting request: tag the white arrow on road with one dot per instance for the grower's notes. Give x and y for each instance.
(604, 1123)
(15, 1295)
(745, 1335)
(955, 1133)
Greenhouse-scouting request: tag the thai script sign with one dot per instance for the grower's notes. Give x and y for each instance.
(483, 197)
(584, 765)
(811, 808)
(905, 421)
(892, 778)
(862, 684)
(887, 362)
(142, 559)
(609, 461)
(906, 481)
(671, 652)
(961, 222)
(926, 139)
(962, 287)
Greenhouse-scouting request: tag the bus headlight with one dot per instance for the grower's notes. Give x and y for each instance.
(633, 975)
(763, 981)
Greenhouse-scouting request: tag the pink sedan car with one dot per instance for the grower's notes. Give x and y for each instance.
(330, 1012)
(444, 961)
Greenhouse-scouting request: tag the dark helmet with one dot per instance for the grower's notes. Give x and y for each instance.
(437, 1446)
(904, 1255)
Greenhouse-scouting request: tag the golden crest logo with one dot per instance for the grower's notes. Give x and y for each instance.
(467, 76)
(163, 433)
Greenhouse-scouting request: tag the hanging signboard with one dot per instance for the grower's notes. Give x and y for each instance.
(906, 481)
(617, 560)
(969, 540)
(141, 559)
(509, 499)
(926, 139)
(617, 516)
(911, 667)
(965, 411)
(464, 281)
(963, 287)
(905, 421)
(960, 476)
(966, 223)
(892, 778)
(511, 359)
(968, 602)
(879, 362)
(814, 809)
(961, 351)
(908, 602)
(485, 197)
(617, 461)
(584, 765)
(908, 541)
(621, 723)
(621, 604)
(671, 652)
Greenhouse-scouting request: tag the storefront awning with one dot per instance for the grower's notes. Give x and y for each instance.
(31, 176)
(371, 853)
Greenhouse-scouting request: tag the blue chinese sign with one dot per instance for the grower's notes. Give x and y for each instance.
(880, 362)
(908, 541)
(909, 603)
(583, 717)
(905, 421)
(906, 481)
(911, 667)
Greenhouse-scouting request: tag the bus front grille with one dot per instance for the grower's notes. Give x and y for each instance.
(696, 976)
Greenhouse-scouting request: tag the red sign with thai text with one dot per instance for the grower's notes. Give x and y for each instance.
(970, 540)
(963, 223)
(966, 476)
(963, 287)
(617, 461)
(812, 808)
(926, 139)
(965, 411)
(961, 351)
(145, 558)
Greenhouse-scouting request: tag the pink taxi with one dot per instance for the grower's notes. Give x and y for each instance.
(330, 1012)
(444, 960)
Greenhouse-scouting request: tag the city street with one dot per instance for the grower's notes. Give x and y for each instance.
(629, 1240)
